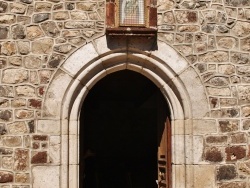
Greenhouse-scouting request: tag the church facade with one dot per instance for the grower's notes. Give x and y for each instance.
(195, 53)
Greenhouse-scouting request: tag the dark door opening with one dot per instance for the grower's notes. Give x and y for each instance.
(121, 128)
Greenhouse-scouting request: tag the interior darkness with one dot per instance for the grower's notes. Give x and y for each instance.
(120, 120)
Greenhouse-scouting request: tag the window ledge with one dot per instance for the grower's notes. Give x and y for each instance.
(132, 31)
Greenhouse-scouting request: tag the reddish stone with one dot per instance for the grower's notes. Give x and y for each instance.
(35, 103)
(110, 14)
(39, 157)
(41, 90)
(213, 154)
(153, 17)
(6, 177)
(192, 16)
(35, 145)
(40, 137)
(21, 158)
(235, 152)
(226, 172)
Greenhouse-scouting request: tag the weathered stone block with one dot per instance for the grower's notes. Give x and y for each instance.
(55, 60)
(12, 141)
(80, 24)
(46, 176)
(8, 48)
(24, 114)
(188, 28)
(18, 8)
(213, 154)
(7, 162)
(25, 90)
(18, 32)
(7, 19)
(35, 103)
(5, 115)
(228, 102)
(23, 47)
(34, 32)
(6, 177)
(17, 128)
(21, 160)
(227, 42)
(234, 153)
(226, 113)
(245, 111)
(44, 76)
(238, 138)
(43, 6)
(218, 81)
(184, 17)
(226, 172)
(22, 178)
(241, 29)
(6, 91)
(42, 46)
(245, 44)
(39, 157)
(4, 32)
(32, 62)
(15, 60)
(37, 18)
(14, 76)
(86, 6)
(228, 125)
(221, 91)
(3, 7)
(40, 137)
(217, 56)
(62, 15)
(16, 103)
(78, 15)
(216, 139)
(237, 184)
(23, 20)
(50, 29)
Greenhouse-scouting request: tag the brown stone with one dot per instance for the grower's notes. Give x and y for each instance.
(227, 102)
(226, 172)
(241, 29)
(62, 15)
(228, 125)
(87, 6)
(21, 158)
(213, 154)
(44, 76)
(184, 17)
(22, 178)
(8, 48)
(18, 8)
(24, 114)
(245, 44)
(245, 111)
(235, 153)
(216, 139)
(238, 138)
(2, 63)
(43, 7)
(39, 157)
(12, 141)
(18, 103)
(246, 124)
(40, 137)
(6, 177)
(23, 20)
(3, 130)
(35, 103)
(35, 145)
(217, 56)
(78, 15)
(226, 113)
(31, 125)
(18, 32)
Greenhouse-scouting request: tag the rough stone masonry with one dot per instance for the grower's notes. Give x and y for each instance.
(37, 36)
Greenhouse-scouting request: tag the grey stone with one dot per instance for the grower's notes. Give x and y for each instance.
(4, 32)
(37, 18)
(55, 60)
(18, 32)
(3, 7)
(5, 115)
(24, 20)
(23, 47)
(50, 29)
(209, 28)
(27, 1)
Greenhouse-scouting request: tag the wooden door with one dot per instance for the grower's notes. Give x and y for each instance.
(164, 157)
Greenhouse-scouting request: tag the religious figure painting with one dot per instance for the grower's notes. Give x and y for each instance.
(132, 12)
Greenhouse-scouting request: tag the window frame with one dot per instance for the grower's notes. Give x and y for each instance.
(113, 27)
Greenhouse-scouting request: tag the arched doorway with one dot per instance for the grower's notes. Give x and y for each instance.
(123, 141)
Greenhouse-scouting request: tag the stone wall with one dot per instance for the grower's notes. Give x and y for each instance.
(37, 36)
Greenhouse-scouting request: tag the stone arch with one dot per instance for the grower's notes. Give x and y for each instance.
(164, 66)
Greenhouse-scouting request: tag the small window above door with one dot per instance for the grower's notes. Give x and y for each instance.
(131, 17)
